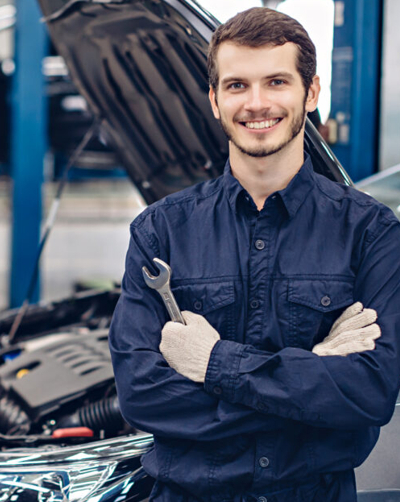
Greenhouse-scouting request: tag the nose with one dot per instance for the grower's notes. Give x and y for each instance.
(257, 99)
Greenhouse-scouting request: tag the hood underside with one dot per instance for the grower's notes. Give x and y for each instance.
(141, 65)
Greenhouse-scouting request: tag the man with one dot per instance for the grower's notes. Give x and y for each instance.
(261, 395)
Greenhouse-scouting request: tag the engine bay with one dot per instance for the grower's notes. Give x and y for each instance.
(58, 386)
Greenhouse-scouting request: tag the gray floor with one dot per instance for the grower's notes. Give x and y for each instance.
(89, 239)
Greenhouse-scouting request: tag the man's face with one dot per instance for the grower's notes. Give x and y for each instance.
(260, 100)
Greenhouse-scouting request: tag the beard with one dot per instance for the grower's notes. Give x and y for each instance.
(262, 150)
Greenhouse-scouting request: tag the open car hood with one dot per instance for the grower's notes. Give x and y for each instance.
(141, 65)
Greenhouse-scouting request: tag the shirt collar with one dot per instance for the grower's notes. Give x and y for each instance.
(300, 185)
(292, 196)
(232, 186)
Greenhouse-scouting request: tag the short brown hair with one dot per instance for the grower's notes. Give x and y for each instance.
(262, 26)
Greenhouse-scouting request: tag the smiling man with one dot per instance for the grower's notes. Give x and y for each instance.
(261, 105)
(276, 386)
(258, 89)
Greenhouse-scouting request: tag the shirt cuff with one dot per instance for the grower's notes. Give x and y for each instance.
(222, 370)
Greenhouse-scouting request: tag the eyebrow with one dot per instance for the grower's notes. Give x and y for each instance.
(281, 74)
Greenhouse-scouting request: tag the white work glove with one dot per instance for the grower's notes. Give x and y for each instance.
(354, 331)
(187, 348)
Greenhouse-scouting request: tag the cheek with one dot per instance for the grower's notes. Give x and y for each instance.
(292, 102)
(289, 104)
(231, 107)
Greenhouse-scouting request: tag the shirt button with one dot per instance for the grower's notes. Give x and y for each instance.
(262, 499)
(217, 390)
(260, 244)
(197, 305)
(263, 407)
(254, 304)
(325, 301)
(264, 462)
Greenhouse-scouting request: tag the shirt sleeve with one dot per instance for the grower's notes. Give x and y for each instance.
(338, 392)
(153, 397)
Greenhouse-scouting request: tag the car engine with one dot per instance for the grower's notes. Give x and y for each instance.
(58, 387)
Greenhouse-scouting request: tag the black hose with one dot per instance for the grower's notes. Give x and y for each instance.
(13, 420)
(101, 415)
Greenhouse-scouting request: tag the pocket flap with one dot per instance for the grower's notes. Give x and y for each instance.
(323, 295)
(204, 297)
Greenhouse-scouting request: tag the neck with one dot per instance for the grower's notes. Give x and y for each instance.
(265, 175)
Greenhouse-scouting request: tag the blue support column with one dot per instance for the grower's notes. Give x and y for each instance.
(356, 74)
(28, 146)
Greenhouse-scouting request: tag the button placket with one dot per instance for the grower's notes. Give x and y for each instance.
(264, 471)
(258, 278)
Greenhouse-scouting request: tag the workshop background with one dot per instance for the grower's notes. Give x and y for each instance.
(43, 120)
(66, 189)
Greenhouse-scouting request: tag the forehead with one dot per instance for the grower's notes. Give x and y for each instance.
(256, 62)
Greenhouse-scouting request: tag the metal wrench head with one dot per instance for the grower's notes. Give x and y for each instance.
(162, 279)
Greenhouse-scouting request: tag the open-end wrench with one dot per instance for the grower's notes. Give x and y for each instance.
(161, 284)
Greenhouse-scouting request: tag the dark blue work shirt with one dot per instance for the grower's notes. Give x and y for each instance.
(271, 413)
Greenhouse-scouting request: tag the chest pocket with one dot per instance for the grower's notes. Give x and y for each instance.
(314, 305)
(213, 300)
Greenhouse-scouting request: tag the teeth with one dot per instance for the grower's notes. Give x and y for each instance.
(261, 125)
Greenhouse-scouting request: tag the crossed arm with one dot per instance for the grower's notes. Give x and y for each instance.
(356, 390)
(348, 381)
(187, 348)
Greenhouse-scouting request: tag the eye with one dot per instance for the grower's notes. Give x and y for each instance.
(236, 86)
(277, 82)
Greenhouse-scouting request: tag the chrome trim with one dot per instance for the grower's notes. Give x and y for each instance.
(115, 449)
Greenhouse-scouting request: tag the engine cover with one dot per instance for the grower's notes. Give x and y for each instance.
(43, 380)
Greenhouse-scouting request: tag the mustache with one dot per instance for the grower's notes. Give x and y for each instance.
(267, 115)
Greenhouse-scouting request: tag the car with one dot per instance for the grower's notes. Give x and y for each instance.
(379, 477)
(141, 67)
(385, 187)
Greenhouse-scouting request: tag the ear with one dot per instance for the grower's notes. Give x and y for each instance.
(214, 105)
(313, 94)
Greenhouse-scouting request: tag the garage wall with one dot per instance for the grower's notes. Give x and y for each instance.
(7, 15)
(390, 91)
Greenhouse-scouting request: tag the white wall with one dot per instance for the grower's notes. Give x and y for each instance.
(390, 90)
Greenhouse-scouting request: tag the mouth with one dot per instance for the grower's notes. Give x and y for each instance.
(261, 124)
